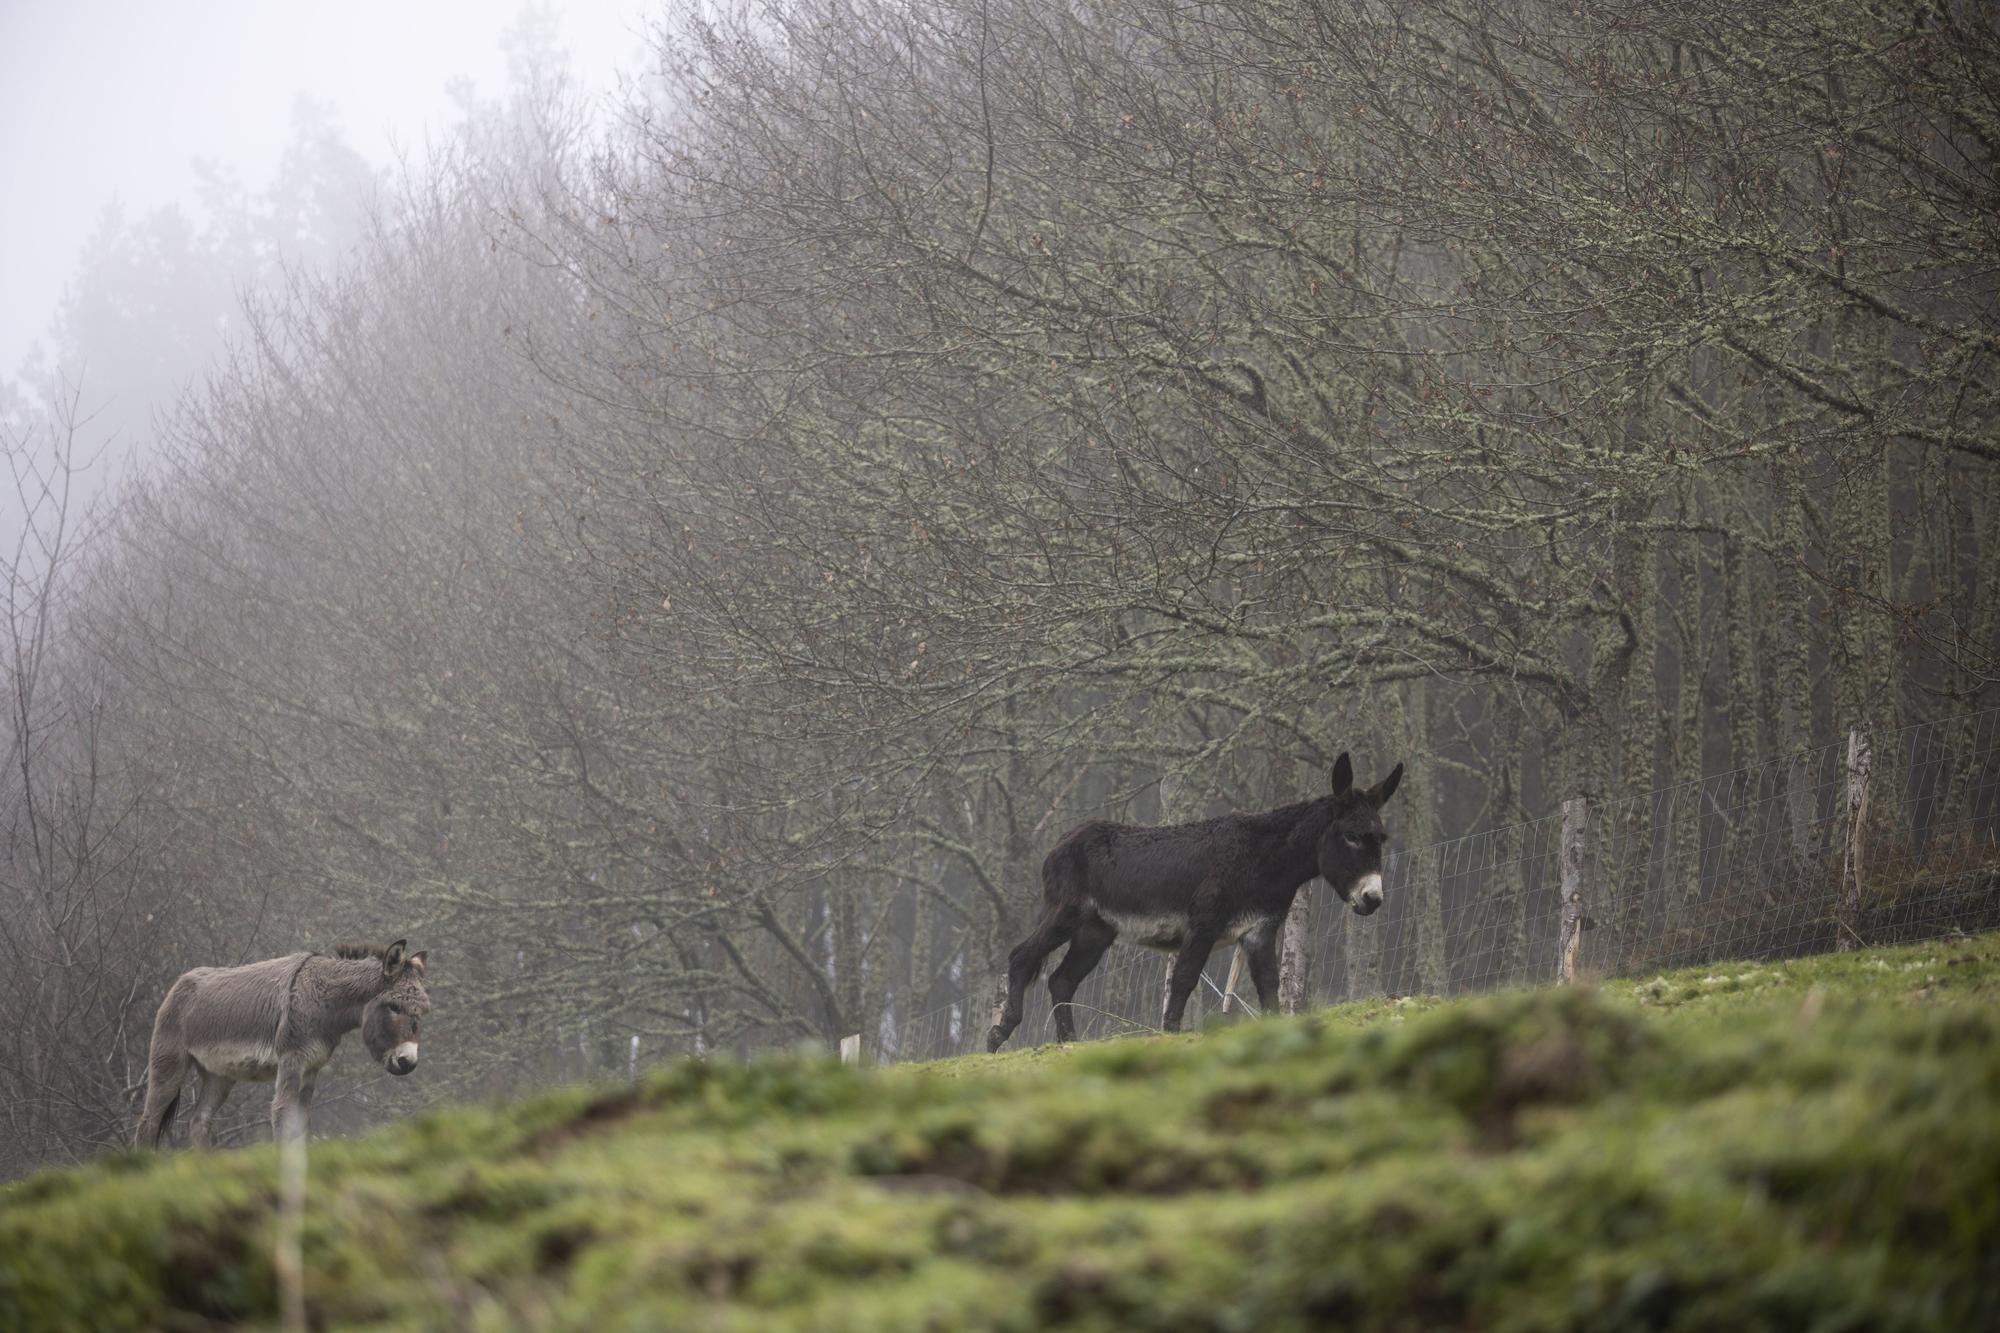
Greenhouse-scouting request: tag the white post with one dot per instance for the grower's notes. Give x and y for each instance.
(1235, 975)
(1575, 886)
(289, 1257)
(1295, 954)
(1859, 761)
(850, 1050)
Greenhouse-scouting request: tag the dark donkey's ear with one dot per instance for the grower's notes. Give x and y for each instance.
(392, 957)
(1343, 775)
(1379, 794)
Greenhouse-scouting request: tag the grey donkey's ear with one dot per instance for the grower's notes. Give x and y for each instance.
(417, 959)
(1379, 794)
(1343, 775)
(392, 957)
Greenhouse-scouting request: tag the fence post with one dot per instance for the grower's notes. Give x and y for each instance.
(1576, 886)
(288, 1258)
(1295, 957)
(1859, 760)
(850, 1049)
(1235, 975)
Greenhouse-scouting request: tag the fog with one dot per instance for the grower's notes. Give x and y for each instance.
(681, 550)
(122, 110)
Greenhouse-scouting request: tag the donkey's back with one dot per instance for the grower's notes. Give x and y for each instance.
(1152, 868)
(226, 1018)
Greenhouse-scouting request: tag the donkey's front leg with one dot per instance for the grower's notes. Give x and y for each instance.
(1188, 964)
(1052, 930)
(291, 1099)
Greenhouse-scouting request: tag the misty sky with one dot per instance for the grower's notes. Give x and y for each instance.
(116, 98)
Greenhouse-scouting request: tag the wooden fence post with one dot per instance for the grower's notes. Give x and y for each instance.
(1576, 886)
(1295, 954)
(1235, 975)
(1859, 761)
(850, 1050)
(288, 1258)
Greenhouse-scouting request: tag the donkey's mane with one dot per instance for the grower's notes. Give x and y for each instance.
(375, 951)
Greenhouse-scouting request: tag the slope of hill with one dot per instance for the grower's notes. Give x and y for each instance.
(1805, 1144)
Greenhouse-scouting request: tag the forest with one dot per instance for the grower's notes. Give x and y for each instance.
(686, 574)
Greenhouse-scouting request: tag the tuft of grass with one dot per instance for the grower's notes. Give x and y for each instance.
(1808, 1143)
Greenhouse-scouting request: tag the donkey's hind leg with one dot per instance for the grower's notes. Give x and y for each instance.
(167, 1065)
(1264, 969)
(167, 1068)
(1024, 964)
(1092, 938)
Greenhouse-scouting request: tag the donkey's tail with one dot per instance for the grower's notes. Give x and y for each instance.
(153, 1130)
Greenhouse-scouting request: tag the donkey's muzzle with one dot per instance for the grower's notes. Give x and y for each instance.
(1367, 895)
(402, 1060)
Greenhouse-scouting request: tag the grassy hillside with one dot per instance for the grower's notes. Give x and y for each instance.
(1805, 1144)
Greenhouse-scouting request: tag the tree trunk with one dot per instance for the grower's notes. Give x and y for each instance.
(1794, 656)
(1508, 892)
(1623, 906)
(1423, 924)
(1681, 885)
(1363, 946)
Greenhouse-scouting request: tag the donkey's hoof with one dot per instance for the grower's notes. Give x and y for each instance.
(995, 1039)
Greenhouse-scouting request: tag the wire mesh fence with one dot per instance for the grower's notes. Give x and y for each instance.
(1870, 840)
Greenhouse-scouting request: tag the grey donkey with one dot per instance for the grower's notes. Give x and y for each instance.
(278, 1022)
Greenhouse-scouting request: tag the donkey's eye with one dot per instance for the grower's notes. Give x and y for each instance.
(393, 1007)
(1350, 840)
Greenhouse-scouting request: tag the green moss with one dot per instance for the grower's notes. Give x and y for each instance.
(1812, 1143)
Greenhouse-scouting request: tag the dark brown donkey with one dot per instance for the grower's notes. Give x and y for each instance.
(278, 1022)
(1187, 887)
